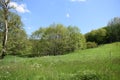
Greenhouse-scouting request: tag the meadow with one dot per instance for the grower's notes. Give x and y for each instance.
(101, 63)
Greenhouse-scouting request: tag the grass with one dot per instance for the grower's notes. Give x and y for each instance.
(102, 63)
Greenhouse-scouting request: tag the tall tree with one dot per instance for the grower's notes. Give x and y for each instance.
(113, 29)
(5, 8)
(17, 38)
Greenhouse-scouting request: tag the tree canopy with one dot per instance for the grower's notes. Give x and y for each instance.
(113, 29)
(56, 40)
(107, 34)
(17, 37)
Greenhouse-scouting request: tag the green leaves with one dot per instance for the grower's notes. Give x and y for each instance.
(113, 29)
(108, 34)
(56, 40)
(17, 37)
(98, 36)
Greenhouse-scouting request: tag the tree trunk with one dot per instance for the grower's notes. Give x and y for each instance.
(3, 53)
(5, 7)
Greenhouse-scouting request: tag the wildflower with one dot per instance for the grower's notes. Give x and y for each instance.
(7, 72)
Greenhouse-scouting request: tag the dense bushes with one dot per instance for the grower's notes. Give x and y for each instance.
(91, 44)
(57, 40)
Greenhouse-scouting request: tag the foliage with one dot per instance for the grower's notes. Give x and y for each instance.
(107, 34)
(76, 39)
(4, 8)
(113, 30)
(17, 37)
(57, 40)
(91, 44)
(98, 36)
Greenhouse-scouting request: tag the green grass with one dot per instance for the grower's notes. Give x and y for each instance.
(102, 63)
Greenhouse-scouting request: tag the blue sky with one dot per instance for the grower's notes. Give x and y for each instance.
(86, 14)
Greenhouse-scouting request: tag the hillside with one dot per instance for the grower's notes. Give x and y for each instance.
(102, 63)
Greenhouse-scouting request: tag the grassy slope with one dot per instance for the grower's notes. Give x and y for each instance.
(104, 61)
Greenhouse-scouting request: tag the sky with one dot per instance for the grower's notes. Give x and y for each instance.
(85, 14)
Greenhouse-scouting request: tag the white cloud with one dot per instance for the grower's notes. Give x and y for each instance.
(19, 7)
(67, 15)
(78, 0)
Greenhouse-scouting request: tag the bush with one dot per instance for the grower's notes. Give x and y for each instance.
(91, 44)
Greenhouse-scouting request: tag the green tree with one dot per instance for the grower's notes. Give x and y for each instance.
(5, 8)
(17, 37)
(113, 29)
(57, 40)
(76, 39)
(38, 43)
(50, 40)
(98, 36)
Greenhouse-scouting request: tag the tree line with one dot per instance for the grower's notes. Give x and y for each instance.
(55, 39)
(107, 34)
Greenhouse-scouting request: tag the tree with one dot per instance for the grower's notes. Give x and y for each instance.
(50, 41)
(76, 39)
(113, 29)
(98, 36)
(57, 40)
(17, 40)
(17, 37)
(108, 34)
(18, 43)
(5, 8)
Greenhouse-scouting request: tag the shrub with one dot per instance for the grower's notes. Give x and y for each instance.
(91, 44)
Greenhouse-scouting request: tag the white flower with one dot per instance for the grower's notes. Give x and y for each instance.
(7, 72)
